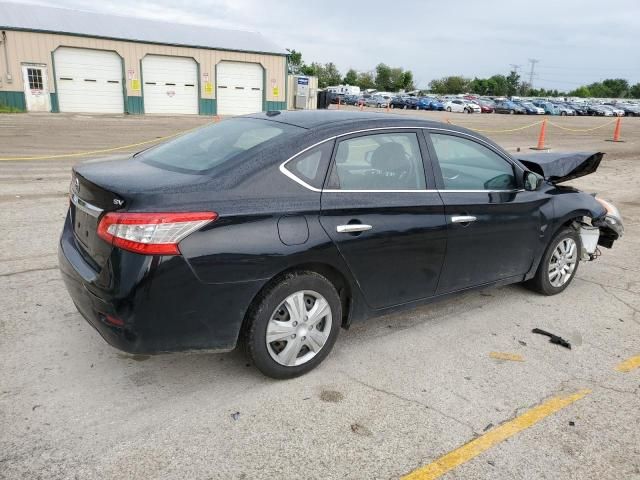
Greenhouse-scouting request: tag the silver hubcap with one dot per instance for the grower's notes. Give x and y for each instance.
(563, 262)
(298, 328)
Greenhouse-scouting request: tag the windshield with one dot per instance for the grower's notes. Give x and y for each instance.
(213, 145)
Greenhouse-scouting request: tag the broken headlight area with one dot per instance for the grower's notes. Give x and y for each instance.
(601, 231)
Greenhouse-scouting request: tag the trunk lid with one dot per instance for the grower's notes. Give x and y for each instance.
(562, 166)
(106, 186)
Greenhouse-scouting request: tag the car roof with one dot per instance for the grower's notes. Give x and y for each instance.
(318, 119)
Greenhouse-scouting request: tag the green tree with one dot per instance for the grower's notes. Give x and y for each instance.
(328, 74)
(383, 77)
(479, 86)
(453, 85)
(366, 80)
(513, 82)
(634, 92)
(582, 92)
(332, 75)
(498, 85)
(618, 87)
(351, 78)
(295, 62)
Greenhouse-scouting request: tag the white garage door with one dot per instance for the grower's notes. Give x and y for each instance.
(170, 84)
(239, 88)
(88, 80)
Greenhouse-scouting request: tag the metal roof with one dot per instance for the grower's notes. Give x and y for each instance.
(60, 20)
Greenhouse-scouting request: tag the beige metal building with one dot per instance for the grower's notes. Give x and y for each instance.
(61, 60)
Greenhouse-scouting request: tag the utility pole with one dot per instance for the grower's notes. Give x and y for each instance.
(514, 67)
(533, 62)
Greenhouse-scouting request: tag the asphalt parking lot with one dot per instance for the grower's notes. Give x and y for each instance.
(398, 393)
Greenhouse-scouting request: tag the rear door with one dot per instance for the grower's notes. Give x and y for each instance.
(388, 226)
(494, 226)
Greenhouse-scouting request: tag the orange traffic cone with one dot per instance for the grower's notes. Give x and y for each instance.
(388, 106)
(361, 106)
(616, 132)
(338, 103)
(543, 130)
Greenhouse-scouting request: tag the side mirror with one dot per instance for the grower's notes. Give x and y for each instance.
(532, 181)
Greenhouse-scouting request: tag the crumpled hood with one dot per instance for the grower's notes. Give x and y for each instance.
(561, 166)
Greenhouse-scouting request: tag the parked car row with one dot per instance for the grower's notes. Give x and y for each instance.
(470, 104)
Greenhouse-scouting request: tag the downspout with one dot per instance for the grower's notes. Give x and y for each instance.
(6, 57)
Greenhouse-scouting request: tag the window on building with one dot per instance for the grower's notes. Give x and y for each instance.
(34, 75)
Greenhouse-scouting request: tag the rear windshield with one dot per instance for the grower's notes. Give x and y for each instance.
(213, 145)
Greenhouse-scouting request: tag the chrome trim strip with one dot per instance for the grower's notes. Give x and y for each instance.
(85, 206)
(293, 177)
(332, 190)
(420, 191)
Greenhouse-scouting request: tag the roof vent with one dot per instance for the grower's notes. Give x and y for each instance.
(273, 113)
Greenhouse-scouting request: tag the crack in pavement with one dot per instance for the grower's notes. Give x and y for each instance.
(414, 402)
(30, 270)
(606, 290)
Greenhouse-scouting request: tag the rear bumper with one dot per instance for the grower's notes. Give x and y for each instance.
(162, 305)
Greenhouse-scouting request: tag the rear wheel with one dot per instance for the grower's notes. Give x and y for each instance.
(293, 325)
(559, 263)
(512, 112)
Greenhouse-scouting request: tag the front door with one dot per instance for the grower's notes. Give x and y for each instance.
(494, 226)
(36, 88)
(388, 227)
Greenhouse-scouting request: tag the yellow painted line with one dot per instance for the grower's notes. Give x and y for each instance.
(629, 364)
(514, 357)
(104, 150)
(499, 434)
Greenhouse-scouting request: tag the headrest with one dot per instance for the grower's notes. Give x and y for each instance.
(390, 157)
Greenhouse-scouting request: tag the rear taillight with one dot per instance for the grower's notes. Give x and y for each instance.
(151, 233)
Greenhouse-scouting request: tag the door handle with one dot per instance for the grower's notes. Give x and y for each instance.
(462, 218)
(353, 228)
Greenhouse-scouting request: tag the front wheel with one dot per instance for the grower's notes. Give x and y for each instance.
(449, 109)
(559, 263)
(293, 325)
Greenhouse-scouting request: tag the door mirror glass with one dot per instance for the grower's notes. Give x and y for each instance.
(532, 181)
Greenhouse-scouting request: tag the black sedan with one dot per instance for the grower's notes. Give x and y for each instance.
(277, 229)
(399, 102)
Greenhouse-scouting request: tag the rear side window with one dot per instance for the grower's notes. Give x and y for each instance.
(311, 166)
(211, 146)
(385, 161)
(467, 165)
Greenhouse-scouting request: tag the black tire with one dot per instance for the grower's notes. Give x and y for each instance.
(265, 306)
(540, 282)
(512, 112)
(449, 109)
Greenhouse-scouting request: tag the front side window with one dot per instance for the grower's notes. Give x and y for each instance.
(213, 145)
(467, 165)
(386, 161)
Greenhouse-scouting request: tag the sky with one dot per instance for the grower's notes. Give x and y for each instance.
(575, 41)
